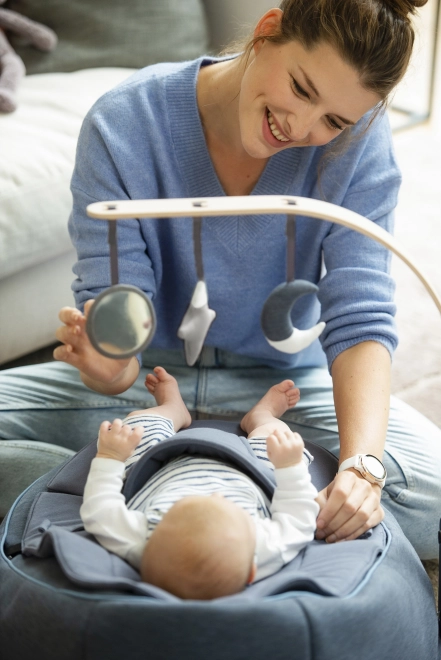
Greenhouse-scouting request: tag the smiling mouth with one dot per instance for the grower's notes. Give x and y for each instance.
(274, 130)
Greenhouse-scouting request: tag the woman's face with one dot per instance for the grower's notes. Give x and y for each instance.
(292, 97)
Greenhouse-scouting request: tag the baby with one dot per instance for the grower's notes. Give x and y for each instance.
(200, 528)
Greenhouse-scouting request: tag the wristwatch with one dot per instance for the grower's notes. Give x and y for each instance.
(370, 467)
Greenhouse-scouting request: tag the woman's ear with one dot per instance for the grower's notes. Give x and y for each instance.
(269, 23)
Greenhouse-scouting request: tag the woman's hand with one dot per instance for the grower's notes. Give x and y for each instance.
(98, 372)
(349, 506)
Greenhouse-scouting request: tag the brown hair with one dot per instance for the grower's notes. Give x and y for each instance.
(376, 37)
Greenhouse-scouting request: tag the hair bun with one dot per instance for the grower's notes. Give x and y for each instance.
(404, 7)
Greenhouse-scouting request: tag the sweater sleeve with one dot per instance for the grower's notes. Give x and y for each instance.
(293, 520)
(104, 170)
(357, 291)
(105, 515)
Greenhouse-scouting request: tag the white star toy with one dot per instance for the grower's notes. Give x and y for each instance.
(196, 323)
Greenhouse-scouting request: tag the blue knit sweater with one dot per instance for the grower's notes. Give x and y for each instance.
(144, 139)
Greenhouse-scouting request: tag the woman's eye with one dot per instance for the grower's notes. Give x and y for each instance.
(333, 124)
(299, 89)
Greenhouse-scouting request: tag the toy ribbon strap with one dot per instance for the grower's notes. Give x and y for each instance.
(198, 317)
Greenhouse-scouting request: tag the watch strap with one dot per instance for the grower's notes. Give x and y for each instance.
(357, 463)
(351, 462)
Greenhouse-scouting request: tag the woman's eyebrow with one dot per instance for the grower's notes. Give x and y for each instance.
(315, 90)
(309, 82)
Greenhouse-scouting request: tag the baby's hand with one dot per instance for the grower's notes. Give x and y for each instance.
(117, 441)
(285, 448)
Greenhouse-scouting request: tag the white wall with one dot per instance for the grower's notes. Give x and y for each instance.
(413, 91)
(436, 117)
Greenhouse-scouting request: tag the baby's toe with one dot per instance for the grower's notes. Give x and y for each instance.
(161, 373)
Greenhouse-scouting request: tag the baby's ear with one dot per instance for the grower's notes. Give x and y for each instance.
(252, 574)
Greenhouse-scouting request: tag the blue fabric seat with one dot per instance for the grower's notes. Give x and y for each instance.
(365, 598)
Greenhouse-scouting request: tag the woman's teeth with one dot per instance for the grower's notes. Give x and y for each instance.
(274, 130)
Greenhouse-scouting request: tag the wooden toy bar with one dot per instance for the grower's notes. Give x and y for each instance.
(257, 205)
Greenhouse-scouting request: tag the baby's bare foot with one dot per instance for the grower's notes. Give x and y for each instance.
(162, 385)
(278, 399)
(165, 389)
(273, 404)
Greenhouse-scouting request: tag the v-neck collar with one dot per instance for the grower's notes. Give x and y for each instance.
(197, 169)
(191, 148)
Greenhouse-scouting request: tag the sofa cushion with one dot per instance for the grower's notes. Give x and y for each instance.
(109, 33)
(38, 144)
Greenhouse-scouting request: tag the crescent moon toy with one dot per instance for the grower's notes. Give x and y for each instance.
(276, 318)
(276, 313)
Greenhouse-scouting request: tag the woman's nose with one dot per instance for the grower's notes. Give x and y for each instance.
(301, 125)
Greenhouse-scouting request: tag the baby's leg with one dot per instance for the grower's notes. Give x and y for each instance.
(165, 389)
(262, 420)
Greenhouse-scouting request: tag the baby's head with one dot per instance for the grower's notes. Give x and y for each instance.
(203, 548)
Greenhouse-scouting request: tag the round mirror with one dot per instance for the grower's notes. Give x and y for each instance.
(121, 322)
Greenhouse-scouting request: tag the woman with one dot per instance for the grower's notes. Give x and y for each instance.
(299, 112)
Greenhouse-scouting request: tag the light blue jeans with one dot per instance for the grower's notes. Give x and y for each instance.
(48, 403)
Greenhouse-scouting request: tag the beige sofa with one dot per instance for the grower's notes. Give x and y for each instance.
(101, 42)
(37, 151)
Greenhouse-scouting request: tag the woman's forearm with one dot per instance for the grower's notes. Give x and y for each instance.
(361, 381)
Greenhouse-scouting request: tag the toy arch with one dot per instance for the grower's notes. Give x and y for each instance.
(258, 205)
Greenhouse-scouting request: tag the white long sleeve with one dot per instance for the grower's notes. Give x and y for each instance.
(293, 520)
(105, 514)
(125, 532)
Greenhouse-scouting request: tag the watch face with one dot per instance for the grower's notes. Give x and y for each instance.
(374, 466)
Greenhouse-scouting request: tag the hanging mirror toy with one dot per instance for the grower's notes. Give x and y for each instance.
(122, 320)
